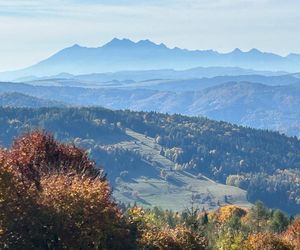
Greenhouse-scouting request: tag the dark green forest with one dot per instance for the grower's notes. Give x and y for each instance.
(265, 163)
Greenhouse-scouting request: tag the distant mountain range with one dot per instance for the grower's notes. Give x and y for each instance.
(146, 75)
(149, 75)
(250, 104)
(164, 80)
(123, 55)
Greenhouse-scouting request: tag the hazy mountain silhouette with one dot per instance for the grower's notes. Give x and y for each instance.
(120, 55)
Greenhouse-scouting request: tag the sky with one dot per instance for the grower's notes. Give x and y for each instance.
(32, 30)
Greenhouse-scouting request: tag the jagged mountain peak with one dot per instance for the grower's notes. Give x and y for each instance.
(254, 51)
(127, 43)
(119, 42)
(237, 51)
(125, 54)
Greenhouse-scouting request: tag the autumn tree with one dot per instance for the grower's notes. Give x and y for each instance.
(225, 213)
(265, 241)
(178, 238)
(292, 234)
(53, 197)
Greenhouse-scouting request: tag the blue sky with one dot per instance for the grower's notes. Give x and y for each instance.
(32, 30)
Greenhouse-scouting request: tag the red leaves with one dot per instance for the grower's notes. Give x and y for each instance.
(37, 154)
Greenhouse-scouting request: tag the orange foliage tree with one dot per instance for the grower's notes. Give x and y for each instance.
(38, 154)
(178, 238)
(53, 197)
(292, 234)
(265, 241)
(224, 213)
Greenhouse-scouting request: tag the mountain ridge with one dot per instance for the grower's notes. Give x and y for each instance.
(120, 55)
(19, 100)
(250, 104)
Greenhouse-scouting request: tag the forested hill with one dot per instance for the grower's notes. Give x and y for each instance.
(265, 163)
(245, 103)
(15, 99)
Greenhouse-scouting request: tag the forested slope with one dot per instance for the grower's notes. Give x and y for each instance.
(53, 196)
(224, 152)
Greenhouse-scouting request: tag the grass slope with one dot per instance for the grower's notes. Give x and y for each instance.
(178, 190)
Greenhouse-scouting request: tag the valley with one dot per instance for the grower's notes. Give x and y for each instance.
(156, 183)
(155, 159)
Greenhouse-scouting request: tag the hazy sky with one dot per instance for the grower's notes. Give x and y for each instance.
(32, 30)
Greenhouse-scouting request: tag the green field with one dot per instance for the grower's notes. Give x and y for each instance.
(174, 190)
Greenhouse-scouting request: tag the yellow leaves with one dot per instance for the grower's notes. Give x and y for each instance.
(136, 214)
(178, 238)
(266, 241)
(225, 213)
